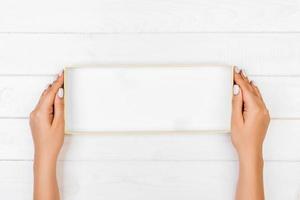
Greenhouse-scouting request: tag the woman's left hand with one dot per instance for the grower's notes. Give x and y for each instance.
(47, 121)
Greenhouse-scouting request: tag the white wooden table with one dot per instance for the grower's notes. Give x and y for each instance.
(37, 38)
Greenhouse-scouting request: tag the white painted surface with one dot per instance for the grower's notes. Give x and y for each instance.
(135, 180)
(37, 38)
(144, 98)
(260, 54)
(108, 16)
(281, 144)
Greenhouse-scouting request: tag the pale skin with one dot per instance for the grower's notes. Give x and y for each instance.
(47, 127)
(249, 124)
(250, 120)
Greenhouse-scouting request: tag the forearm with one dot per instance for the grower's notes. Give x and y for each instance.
(250, 182)
(45, 183)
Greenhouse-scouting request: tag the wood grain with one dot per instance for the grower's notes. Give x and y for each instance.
(282, 143)
(121, 16)
(260, 54)
(149, 180)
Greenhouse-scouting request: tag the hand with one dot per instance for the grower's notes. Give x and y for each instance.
(47, 121)
(250, 117)
(249, 124)
(47, 127)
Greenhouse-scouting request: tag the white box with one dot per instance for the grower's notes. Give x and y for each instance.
(148, 98)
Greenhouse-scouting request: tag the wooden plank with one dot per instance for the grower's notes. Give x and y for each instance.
(150, 180)
(260, 54)
(19, 94)
(106, 16)
(282, 143)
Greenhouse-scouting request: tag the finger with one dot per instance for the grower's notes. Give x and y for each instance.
(255, 89)
(238, 79)
(41, 99)
(244, 75)
(46, 89)
(258, 92)
(59, 108)
(56, 84)
(51, 92)
(237, 106)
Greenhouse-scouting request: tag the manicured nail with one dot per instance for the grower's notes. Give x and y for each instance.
(244, 73)
(236, 69)
(253, 83)
(60, 93)
(60, 73)
(236, 90)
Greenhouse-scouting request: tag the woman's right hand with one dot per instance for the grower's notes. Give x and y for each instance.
(250, 117)
(249, 124)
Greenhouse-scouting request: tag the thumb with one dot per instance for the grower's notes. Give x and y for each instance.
(59, 108)
(237, 106)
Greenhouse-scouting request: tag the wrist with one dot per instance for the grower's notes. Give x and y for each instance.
(44, 169)
(251, 161)
(251, 154)
(45, 154)
(44, 160)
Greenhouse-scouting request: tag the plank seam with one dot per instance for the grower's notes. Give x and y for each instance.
(149, 33)
(144, 160)
(250, 75)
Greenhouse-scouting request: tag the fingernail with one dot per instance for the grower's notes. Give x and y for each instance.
(60, 93)
(236, 69)
(253, 83)
(244, 73)
(236, 90)
(60, 73)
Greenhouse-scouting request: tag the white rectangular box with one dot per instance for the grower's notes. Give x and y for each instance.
(131, 98)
